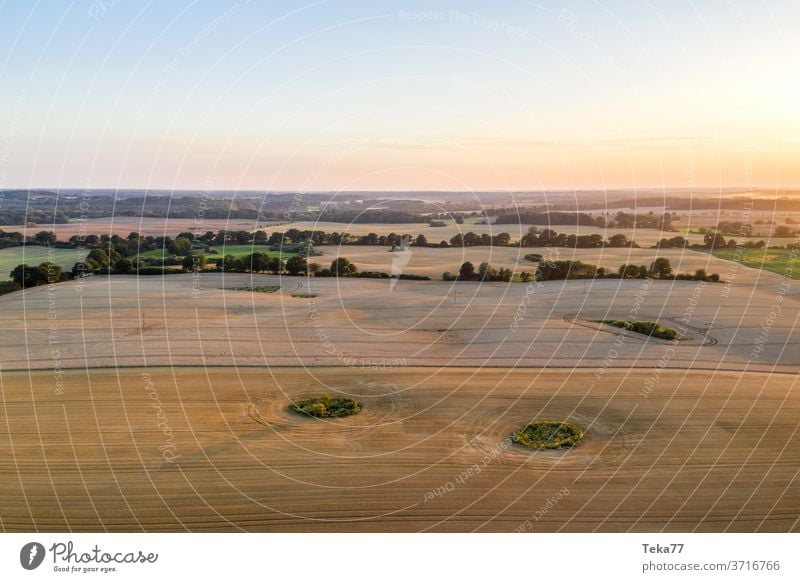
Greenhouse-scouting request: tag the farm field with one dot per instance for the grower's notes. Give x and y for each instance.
(434, 261)
(215, 449)
(781, 261)
(161, 403)
(35, 255)
(644, 237)
(194, 320)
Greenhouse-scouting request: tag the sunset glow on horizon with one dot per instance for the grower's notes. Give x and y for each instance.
(352, 96)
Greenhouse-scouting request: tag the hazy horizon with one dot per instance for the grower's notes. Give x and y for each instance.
(342, 96)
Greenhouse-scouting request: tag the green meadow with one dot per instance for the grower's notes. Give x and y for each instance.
(781, 261)
(237, 251)
(34, 255)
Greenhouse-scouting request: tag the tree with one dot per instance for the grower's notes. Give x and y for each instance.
(560, 270)
(342, 267)
(229, 264)
(487, 273)
(619, 240)
(98, 258)
(713, 240)
(502, 240)
(82, 269)
(45, 238)
(51, 272)
(421, 241)
(256, 263)
(472, 240)
(661, 268)
(194, 262)
(123, 266)
(525, 277)
(297, 265)
(467, 271)
(27, 276)
(180, 247)
(628, 272)
(275, 265)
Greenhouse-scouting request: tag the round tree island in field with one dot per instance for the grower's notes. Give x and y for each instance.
(547, 434)
(324, 406)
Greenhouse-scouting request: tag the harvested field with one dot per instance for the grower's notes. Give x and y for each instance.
(187, 320)
(433, 262)
(429, 452)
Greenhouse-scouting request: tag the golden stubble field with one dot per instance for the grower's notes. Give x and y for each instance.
(215, 449)
(748, 323)
(160, 403)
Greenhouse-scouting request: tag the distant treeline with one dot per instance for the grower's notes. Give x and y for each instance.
(369, 216)
(620, 220)
(660, 268)
(673, 203)
(46, 207)
(100, 262)
(50, 207)
(277, 240)
(551, 218)
(23, 207)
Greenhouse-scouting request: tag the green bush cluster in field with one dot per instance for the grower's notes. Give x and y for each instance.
(650, 328)
(548, 434)
(325, 406)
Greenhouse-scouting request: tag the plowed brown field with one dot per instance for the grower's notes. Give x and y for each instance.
(215, 449)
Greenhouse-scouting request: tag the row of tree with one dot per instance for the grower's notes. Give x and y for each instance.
(186, 242)
(485, 272)
(561, 270)
(658, 269)
(620, 220)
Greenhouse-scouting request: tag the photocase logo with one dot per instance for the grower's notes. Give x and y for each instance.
(400, 258)
(31, 555)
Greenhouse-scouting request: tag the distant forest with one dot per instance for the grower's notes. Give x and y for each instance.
(19, 207)
(44, 207)
(675, 203)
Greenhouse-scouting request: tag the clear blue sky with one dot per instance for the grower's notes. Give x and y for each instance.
(398, 95)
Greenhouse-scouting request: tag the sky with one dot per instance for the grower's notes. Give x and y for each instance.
(393, 95)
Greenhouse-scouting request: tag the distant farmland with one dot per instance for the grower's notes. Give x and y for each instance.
(34, 255)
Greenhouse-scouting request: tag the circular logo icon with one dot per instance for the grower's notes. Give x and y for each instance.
(31, 555)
